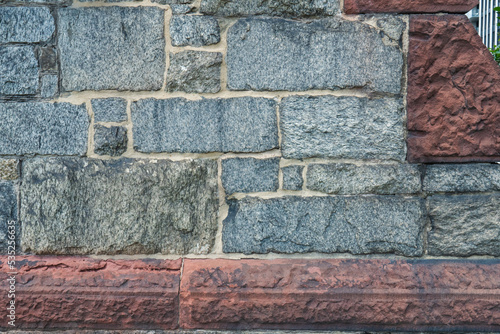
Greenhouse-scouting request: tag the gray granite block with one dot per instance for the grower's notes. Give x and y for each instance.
(110, 141)
(26, 24)
(246, 175)
(112, 109)
(195, 30)
(462, 178)
(49, 86)
(18, 70)
(292, 177)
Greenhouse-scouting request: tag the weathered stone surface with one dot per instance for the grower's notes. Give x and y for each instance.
(342, 127)
(18, 70)
(179, 9)
(43, 128)
(25, 24)
(110, 140)
(404, 6)
(453, 92)
(194, 72)
(464, 225)
(292, 177)
(85, 206)
(462, 178)
(270, 7)
(8, 213)
(344, 178)
(47, 59)
(49, 86)
(210, 125)
(246, 175)
(195, 30)
(8, 169)
(112, 109)
(173, 2)
(120, 48)
(357, 225)
(277, 54)
(80, 292)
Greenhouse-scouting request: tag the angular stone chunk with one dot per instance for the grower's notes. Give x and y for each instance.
(18, 70)
(462, 178)
(8, 212)
(464, 225)
(25, 24)
(358, 225)
(109, 110)
(194, 30)
(243, 124)
(292, 177)
(8, 169)
(85, 206)
(120, 48)
(368, 179)
(245, 175)
(43, 128)
(276, 54)
(110, 141)
(342, 127)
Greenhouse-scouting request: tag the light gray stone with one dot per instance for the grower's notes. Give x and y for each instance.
(464, 225)
(276, 54)
(292, 177)
(173, 2)
(393, 26)
(85, 206)
(8, 169)
(25, 24)
(43, 128)
(18, 70)
(194, 72)
(246, 175)
(345, 178)
(110, 141)
(462, 178)
(49, 85)
(8, 213)
(121, 48)
(195, 30)
(357, 225)
(342, 127)
(243, 124)
(112, 109)
(180, 9)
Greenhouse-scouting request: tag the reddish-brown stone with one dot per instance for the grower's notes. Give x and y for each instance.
(341, 294)
(453, 92)
(406, 6)
(76, 292)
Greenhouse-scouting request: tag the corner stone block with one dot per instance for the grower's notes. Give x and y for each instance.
(18, 70)
(462, 178)
(194, 30)
(244, 175)
(25, 24)
(8, 217)
(404, 6)
(292, 177)
(86, 206)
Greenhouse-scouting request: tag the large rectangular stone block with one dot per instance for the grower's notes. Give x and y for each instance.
(85, 206)
(25, 24)
(276, 54)
(462, 178)
(342, 127)
(18, 70)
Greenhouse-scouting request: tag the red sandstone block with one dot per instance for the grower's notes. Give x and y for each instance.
(406, 6)
(453, 92)
(341, 294)
(77, 292)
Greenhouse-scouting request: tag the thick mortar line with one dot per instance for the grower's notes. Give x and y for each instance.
(90, 139)
(304, 178)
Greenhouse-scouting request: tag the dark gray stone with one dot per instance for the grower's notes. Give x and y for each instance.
(49, 85)
(292, 177)
(121, 48)
(85, 206)
(368, 179)
(195, 30)
(276, 54)
(18, 70)
(342, 127)
(25, 24)
(243, 124)
(43, 128)
(357, 225)
(246, 175)
(110, 141)
(47, 59)
(112, 109)
(270, 7)
(8, 213)
(462, 178)
(8, 169)
(194, 72)
(464, 225)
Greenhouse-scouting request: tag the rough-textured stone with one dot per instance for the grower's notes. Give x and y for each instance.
(464, 225)
(453, 92)
(195, 30)
(462, 178)
(109, 110)
(8, 169)
(43, 128)
(404, 6)
(84, 206)
(25, 24)
(368, 179)
(120, 48)
(246, 175)
(277, 54)
(292, 177)
(180, 9)
(342, 127)
(8, 213)
(80, 292)
(47, 59)
(110, 141)
(49, 85)
(194, 72)
(173, 2)
(358, 225)
(210, 125)
(270, 7)
(18, 70)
